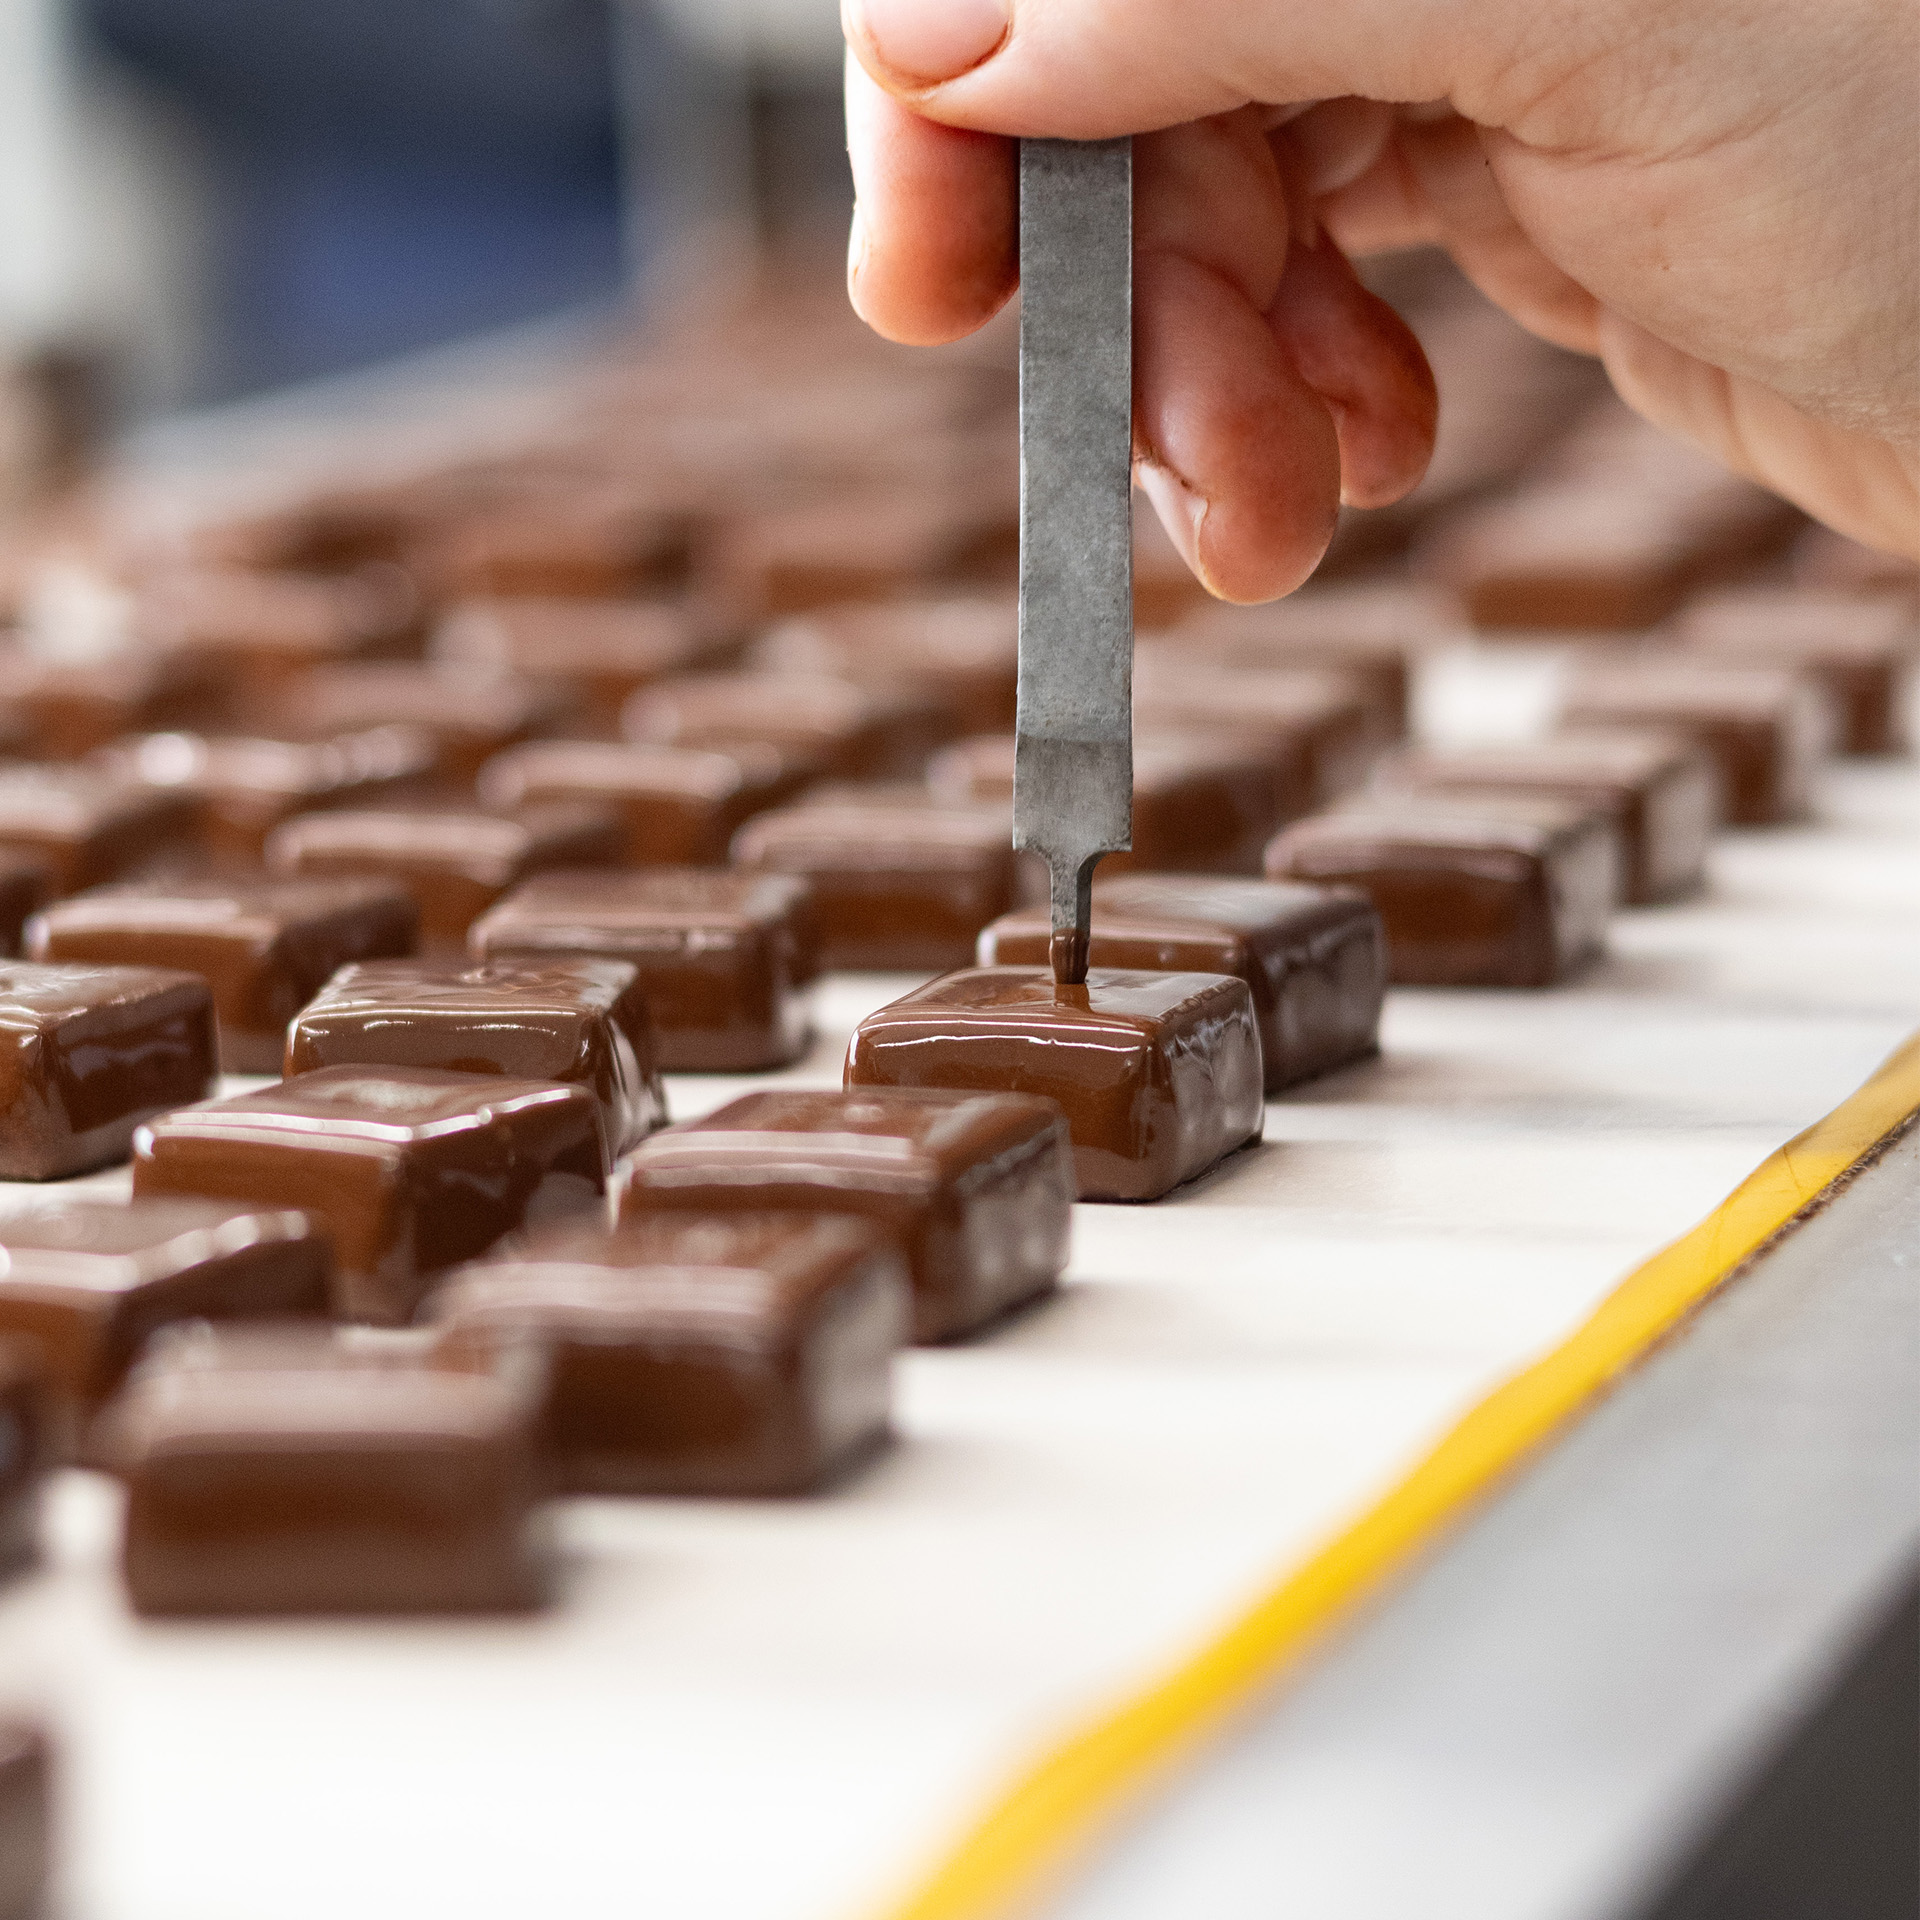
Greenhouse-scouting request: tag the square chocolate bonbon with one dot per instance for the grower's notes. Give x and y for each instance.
(89, 1280)
(553, 1018)
(604, 651)
(976, 1188)
(1314, 958)
(893, 886)
(455, 862)
(1206, 804)
(87, 1053)
(264, 947)
(739, 1353)
(722, 954)
(69, 708)
(88, 825)
(413, 1169)
(1159, 1074)
(1494, 891)
(310, 1470)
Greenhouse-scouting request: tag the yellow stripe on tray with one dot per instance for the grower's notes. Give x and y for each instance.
(1024, 1845)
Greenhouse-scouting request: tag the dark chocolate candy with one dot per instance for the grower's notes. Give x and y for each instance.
(26, 1819)
(721, 954)
(413, 1169)
(29, 1445)
(846, 730)
(296, 1470)
(552, 1018)
(246, 784)
(1861, 649)
(86, 825)
(1767, 729)
(1662, 792)
(1497, 891)
(736, 1353)
(975, 1188)
(681, 805)
(455, 862)
(604, 650)
(264, 947)
(1159, 1074)
(906, 887)
(89, 1280)
(1314, 958)
(87, 1053)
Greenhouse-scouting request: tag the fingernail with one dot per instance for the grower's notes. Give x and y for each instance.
(931, 40)
(856, 247)
(1182, 511)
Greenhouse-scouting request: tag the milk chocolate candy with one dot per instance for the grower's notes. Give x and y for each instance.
(722, 955)
(1205, 804)
(68, 708)
(264, 947)
(1861, 650)
(1314, 958)
(1159, 1074)
(978, 768)
(1661, 791)
(89, 1280)
(24, 887)
(582, 1021)
(469, 716)
(975, 1188)
(579, 548)
(455, 862)
(307, 1470)
(26, 1819)
(850, 732)
(87, 1053)
(1497, 891)
(734, 1353)
(85, 826)
(413, 1169)
(29, 1445)
(603, 651)
(965, 649)
(906, 887)
(1767, 729)
(246, 784)
(680, 805)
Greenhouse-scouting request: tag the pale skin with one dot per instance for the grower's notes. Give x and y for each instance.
(1719, 198)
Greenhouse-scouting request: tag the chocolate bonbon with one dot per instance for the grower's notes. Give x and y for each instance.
(1204, 804)
(89, 1280)
(29, 1445)
(976, 1188)
(86, 825)
(1159, 1074)
(741, 1354)
(550, 1018)
(1496, 891)
(603, 650)
(456, 862)
(87, 1053)
(264, 946)
(68, 708)
(24, 887)
(1314, 958)
(721, 954)
(309, 1470)
(26, 1818)
(413, 1169)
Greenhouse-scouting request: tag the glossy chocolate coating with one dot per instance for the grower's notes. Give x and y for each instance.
(975, 1189)
(680, 805)
(1314, 959)
(24, 887)
(1661, 791)
(71, 707)
(737, 1353)
(847, 731)
(1159, 1074)
(264, 947)
(307, 1470)
(1766, 729)
(26, 1819)
(1862, 650)
(87, 825)
(456, 863)
(246, 784)
(87, 1053)
(1497, 891)
(413, 1169)
(89, 1280)
(604, 650)
(29, 1445)
(905, 887)
(542, 1019)
(721, 954)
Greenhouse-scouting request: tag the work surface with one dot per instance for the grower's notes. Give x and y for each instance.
(757, 1711)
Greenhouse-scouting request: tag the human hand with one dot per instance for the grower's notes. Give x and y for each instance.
(1720, 198)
